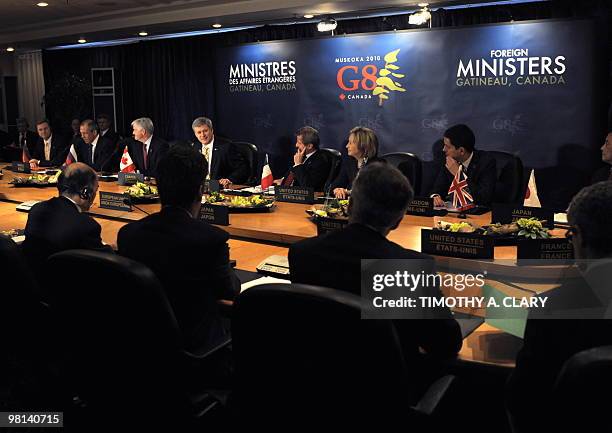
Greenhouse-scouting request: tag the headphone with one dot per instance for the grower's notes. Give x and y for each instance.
(85, 194)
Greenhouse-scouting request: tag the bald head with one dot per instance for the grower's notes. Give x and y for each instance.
(78, 182)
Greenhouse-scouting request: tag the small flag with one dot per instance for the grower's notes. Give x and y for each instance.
(462, 199)
(25, 154)
(126, 165)
(72, 157)
(266, 176)
(531, 193)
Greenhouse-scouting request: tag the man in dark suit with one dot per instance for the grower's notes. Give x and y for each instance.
(23, 138)
(225, 163)
(188, 255)
(94, 150)
(478, 166)
(145, 149)
(569, 323)
(311, 167)
(605, 173)
(51, 149)
(378, 203)
(61, 223)
(105, 124)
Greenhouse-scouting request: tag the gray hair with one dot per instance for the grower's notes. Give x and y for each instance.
(144, 123)
(201, 121)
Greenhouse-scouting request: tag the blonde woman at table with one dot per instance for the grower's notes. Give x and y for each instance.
(362, 148)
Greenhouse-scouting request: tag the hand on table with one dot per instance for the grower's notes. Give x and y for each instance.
(225, 183)
(438, 202)
(341, 193)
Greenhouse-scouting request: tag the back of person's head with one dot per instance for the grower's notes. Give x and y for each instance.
(366, 141)
(77, 179)
(380, 196)
(461, 136)
(590, 211)
(309, 136)
(180, 176)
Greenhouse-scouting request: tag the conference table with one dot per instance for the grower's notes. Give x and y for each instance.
(256, 236)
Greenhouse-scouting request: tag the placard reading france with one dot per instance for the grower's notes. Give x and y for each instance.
(263, 77)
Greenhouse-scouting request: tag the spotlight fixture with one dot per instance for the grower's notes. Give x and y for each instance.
(423, 5)
(42, 4)
(143, 34)
(308, 16)
(82, 41)
(420, 17)
(328, 25)
(217, 25)
(10, 49)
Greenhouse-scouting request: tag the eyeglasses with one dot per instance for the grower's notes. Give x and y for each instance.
(569, 234)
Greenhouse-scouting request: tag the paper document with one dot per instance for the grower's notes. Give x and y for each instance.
(263, 280)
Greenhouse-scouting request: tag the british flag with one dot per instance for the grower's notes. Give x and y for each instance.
(462, 199)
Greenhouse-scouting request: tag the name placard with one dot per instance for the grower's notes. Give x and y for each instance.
(211, 185)
(544, 249)
(21, 167)
(294, 194)
(325, 225)
(115, 201)
(421, 206)
(127, 179)
(215, 214)
(508, 213)
(464, 245)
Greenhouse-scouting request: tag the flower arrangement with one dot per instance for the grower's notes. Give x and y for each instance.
(532, 228)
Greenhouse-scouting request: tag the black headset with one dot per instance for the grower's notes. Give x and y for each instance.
(85, 194)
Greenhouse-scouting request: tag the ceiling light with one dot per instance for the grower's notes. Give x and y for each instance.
(308, 16)
(423, 5)
(420, 17)
(217, 26)
(328, 25)
(82, 41)
(42, 4)
(10, 49)
(143, 34)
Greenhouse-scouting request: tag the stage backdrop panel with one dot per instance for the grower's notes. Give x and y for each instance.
(524, 88)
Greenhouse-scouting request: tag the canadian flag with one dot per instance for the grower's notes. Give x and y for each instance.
(126, 165)
(72, 157)
(531, 194)
(266, 176)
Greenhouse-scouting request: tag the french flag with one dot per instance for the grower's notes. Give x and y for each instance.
(266, 176)
(127, 164)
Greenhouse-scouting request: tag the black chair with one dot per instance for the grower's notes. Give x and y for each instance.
(410, 165)
(335, 160)
(304, 359)
(248, 151)
(580, 392)
(510, 186)
(122, 345)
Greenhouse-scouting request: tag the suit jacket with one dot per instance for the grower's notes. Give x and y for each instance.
(31, 139)
(550, 339)
(57, 225)
(481, 176)
(157, 150)
(59, 151)
(104, 154)
(313, 172)
(602, 174)
(227, 162)
(112, 136)
(334, 260)
(349, 171)
(191, 259)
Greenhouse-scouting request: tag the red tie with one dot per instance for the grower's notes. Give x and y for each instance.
(145, 156)
(288, 181)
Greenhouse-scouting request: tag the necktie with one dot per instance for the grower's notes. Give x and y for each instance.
(47, 150)
(145, 156)
(90, 154)
(206, 153)
(289, 179)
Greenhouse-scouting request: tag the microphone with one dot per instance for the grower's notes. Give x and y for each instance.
(128, 200)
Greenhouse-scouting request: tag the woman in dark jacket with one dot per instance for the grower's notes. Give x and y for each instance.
(362, 148)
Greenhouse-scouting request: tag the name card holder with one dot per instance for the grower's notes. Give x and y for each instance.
(294, 194)
(508, 213)
(421, 206)
(215, 214)
(462, 245)
(115, 201)
(127, 179)
(539, 251)
(325, 225)
(21, 167)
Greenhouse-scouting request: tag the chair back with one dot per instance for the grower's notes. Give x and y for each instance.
(410, 165)
(335, 159)
(249, 152)
(510, 186)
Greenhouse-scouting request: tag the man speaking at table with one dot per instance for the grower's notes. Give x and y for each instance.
(225, 163)
(93, 149)
(145, 149)
(477, 165)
